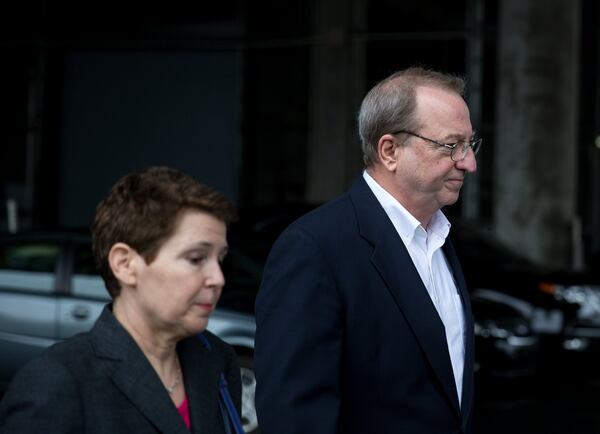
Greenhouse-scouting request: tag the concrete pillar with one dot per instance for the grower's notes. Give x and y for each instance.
(475, 25)
(536, 130)
(337, 62)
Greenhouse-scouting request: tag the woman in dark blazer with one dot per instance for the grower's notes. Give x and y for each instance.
(159, 238)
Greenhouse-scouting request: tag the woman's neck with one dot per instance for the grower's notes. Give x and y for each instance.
(159, 348)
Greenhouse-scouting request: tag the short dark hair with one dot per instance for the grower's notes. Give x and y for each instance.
(142, 210)
(390, 105)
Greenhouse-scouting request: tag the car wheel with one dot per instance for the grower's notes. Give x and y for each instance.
(249, 419)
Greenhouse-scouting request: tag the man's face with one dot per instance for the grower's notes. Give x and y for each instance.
(425, 174)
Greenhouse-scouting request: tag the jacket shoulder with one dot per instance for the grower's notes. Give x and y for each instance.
(327, 217)
(66, 352)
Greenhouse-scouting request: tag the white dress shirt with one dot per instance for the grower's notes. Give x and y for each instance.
(424, 248)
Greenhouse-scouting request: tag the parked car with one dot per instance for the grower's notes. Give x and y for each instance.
(506, 347)
(50, 290)
(562, 306)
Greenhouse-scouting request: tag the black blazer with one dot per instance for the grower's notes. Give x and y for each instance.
(348, 340)
(101, 382)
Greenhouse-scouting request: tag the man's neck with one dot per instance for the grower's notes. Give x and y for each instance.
(387, 182)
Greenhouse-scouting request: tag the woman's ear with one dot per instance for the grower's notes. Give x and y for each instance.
(121, 260)
(386, 150)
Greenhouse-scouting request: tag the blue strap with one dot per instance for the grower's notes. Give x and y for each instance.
(204, 341)
(233, 415)
(224, 415)
(225, 400)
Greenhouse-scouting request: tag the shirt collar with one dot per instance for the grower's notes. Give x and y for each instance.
(405, 223)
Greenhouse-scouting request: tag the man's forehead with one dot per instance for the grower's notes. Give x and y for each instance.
(444, 110)
(436, 92)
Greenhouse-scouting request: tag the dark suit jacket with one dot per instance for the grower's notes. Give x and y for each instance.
(348, 340)
(101, 382)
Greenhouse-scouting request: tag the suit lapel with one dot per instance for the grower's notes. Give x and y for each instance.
(134, 376)
(392, 260)
(467, 391)
(201, 369)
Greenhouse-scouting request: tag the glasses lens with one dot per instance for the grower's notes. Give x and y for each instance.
(459, 152)
(476, 145)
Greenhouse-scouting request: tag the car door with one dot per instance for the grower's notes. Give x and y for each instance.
(28, 305)
(85, 294)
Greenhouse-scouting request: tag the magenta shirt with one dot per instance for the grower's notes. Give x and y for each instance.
(184, 411)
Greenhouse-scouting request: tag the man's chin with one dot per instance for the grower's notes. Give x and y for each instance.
(450, 198)
(454, 184)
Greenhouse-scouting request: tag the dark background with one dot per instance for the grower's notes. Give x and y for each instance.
(258, 99)
(226, 91)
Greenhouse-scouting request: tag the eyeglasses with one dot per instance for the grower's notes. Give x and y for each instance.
(455, 155)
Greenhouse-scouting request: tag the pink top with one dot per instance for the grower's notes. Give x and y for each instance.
(184, 411)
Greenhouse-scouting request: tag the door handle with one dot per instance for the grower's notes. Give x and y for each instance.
(80, 312)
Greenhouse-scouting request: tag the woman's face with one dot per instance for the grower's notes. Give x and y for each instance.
(177, 292)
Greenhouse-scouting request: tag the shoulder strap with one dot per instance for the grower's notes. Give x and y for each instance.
(225, 402)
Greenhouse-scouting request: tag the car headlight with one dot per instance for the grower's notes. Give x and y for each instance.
(587, 297)
(490, 330)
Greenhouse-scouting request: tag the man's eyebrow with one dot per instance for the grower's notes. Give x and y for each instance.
(458, 137)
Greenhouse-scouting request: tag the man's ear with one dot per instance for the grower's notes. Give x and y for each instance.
(386, 151)
(121, 260)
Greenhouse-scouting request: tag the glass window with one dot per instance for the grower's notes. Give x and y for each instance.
(29, 267)
(86, 281)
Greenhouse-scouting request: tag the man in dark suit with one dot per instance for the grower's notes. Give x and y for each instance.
(363, 317)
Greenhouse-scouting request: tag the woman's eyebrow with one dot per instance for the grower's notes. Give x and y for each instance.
(207, 245)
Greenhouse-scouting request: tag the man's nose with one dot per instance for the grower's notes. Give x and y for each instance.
(469, 163)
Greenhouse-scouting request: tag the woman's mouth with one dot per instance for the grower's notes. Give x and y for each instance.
(207, 307)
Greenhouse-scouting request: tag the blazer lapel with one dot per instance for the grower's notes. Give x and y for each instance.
(201, 370)
(467, 391)
(393, 262)
(134, 376)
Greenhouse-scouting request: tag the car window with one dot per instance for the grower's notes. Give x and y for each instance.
(29, 266)
(86, 282)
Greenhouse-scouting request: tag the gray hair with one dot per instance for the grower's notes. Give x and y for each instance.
(390, 105)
